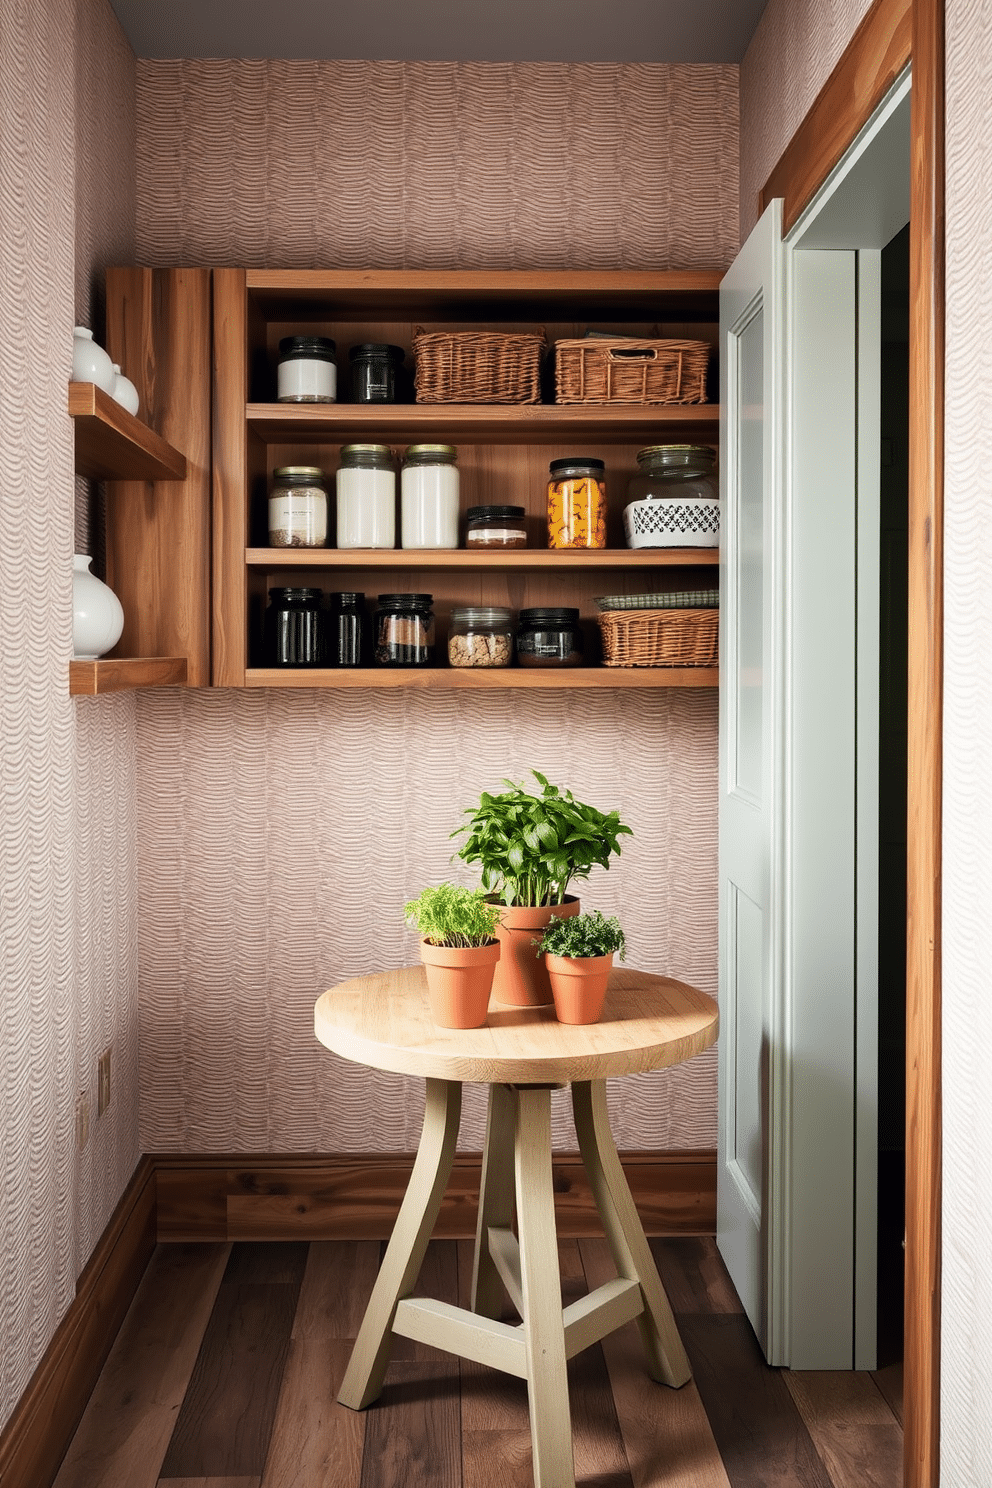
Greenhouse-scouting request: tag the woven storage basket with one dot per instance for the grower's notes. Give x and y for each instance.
(477, 366)
(659, 638)
(623, 370)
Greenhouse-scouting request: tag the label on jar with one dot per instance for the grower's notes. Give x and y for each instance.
(298, 519)
(303, 381)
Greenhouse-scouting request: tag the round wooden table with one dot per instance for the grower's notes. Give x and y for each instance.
(648, 1022)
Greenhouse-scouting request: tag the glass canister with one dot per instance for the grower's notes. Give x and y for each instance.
(404, 630)
(307, 371)
(294, 628)
(674, 499)
(298, 507)
(429, 497)
(344, 628)
(577, 503)
(549, 637)
(374, 366)
(495, 527)
(480, 636)
(366, 497)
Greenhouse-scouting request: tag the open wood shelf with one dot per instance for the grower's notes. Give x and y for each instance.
(555, 560)
(121, 673)
(483, 678)
(111, 444)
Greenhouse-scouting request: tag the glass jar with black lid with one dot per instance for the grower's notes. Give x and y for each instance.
(495, 527)
(404, 630)
(344, 628)
(549, 637)
(307, 371)
(374, 366)
(294, 628)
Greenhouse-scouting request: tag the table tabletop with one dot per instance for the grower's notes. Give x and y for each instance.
(648, 1022)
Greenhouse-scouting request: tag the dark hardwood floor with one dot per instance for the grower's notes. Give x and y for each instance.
(226, 1369)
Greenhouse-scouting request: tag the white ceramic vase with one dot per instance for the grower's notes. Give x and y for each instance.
(97, 614)
(90, 363)
(125, 392)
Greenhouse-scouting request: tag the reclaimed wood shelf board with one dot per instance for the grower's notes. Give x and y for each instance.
(483, 678)
(560, 560)
(111, 444)
(123, 673)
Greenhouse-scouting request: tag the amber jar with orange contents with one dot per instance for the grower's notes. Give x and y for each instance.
(577, 504)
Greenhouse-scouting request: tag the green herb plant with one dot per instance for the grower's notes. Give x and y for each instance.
(453, 916)
(582, 935)
(531, 847)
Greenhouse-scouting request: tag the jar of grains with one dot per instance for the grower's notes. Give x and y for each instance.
(294, 628)
(429, 497)
(366, 497)
(298, 507)
(549, 637)
(495, 527)
(374, 366)
(577, 504)
(480, 637)
(307, 371)
(404, 630)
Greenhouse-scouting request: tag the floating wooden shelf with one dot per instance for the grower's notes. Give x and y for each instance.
(119, 674)
(111, 444)
(520, 423)
(561, 561)
(565, 679)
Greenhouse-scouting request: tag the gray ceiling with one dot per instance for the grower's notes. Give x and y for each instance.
(444, 30)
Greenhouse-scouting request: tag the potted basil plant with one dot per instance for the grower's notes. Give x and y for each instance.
(531, 847)
(459, 949)
(579, 955)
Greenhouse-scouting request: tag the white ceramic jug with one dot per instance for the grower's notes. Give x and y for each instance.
(97, 614)
(125, 392)
(90, 363)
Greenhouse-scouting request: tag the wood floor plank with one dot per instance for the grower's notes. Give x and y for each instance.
(851, 1425)
(413, 1432)
(439, 1279)
(756, 1424)
(889, 1381)
(666, 1434)
(210, 1482)
(314, 1440)
(124, 1432)
(693, 1274)
(225, 1423)
(336, 1286)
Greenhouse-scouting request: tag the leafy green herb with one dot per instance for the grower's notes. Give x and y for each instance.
(531, 847)
(452, 916)
(582, 935)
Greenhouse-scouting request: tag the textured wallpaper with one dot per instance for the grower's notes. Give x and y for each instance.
(67, 948)
(281, 833)
(793, 52)
(966, 1357)
(437, 164)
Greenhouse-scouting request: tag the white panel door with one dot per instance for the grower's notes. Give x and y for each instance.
(752, 1125)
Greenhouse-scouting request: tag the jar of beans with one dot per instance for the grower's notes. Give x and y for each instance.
(577, 503)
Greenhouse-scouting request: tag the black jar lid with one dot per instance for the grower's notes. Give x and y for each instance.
(548, 617)
(307, 346)
(294, 596)
(405, 601)
(339, 598)
(371, 349)
(494, 514)
(577, 462)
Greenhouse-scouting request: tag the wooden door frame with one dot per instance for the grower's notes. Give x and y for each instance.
(892, 34)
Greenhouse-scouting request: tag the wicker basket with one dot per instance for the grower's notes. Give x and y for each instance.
(659, 638)
(477, 366)
(625, 370)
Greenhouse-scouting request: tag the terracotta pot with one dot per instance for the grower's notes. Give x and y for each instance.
(459, 981)
(579, 985)
(521, 977)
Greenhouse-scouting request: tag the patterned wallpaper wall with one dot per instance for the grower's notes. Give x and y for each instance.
(793, 52)
(279, 834)
(966, 1355)
(67, 947)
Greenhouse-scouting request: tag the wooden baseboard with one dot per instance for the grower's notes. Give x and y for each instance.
(297, 1197)
(34, 1441)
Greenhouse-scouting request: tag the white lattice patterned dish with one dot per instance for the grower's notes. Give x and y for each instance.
(670, 523)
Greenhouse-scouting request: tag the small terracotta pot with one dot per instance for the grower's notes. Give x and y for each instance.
(459, 982)
(579, 985)
(521, 977)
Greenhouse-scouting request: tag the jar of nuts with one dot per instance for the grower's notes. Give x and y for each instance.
(577, 503)
(480, 637)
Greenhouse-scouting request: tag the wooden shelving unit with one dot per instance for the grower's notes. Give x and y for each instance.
(503, 456)
(122, 673)
(111, 444)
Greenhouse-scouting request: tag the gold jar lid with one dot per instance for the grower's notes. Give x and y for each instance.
(298, 472)
(443, 451)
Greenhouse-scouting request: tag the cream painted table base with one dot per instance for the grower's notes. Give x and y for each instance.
(522, 1054)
